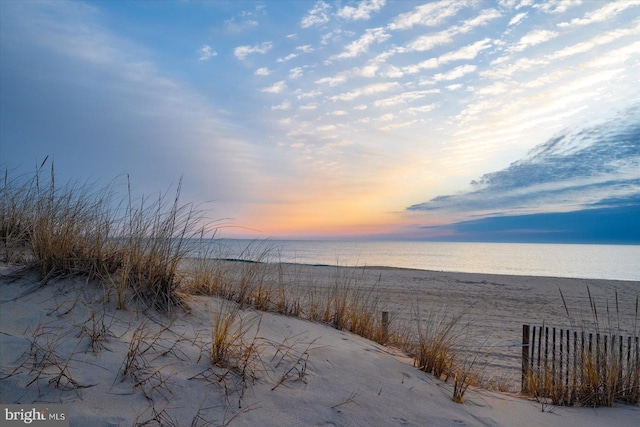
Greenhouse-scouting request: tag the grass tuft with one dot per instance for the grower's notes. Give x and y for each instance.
(81, 230)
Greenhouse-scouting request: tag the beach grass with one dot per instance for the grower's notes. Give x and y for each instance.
(80, 230)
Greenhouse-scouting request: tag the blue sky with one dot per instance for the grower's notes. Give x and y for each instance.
(328, 119)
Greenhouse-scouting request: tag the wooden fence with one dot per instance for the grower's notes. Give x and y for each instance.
(572, 367)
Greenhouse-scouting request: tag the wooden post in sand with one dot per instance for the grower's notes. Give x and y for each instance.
(525, 359)
(385, 326)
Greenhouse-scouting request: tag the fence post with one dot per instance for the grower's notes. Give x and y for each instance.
(553, 359)
(525, 359)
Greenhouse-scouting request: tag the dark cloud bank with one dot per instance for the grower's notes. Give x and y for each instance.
(582, 186)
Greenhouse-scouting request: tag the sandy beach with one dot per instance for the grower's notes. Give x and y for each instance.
(304, 373)
(495, 306)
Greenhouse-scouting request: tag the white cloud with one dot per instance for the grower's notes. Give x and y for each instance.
(264, 71)
(495, 89)
(525, 3)
(466, 52)
(543, 102)
(295, 73)
(368, 70)
(509, 4)
(371, 35)
(520, 65)
(338, 113)
(557, 6)
(318, 15)
(427, 64)
(456, 73)
(277, 87)
(206, 53)
(430, 14)
(517, 19)
(310, 94)
(366, 90)
(398, 125)
(363, 11)
(308, 107)
(374, 66)
(284, 106)
(422, 109)
(455, 87)
(617, 56)
(430, 41)
(403, 98)
(601, 14)
(598, 40)
(525, 64)
(482, 19)
(242, 52)
(534, 38)
(426, 82)
(393, 72)
(287, 58)
(331, 81)
(307, 48)
(500, 60)
(336, 35)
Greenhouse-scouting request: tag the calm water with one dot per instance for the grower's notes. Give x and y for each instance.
(621, 262)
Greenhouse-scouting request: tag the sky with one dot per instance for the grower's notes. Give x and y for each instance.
(509, 120)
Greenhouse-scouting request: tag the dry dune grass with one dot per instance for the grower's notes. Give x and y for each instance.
(77, 230)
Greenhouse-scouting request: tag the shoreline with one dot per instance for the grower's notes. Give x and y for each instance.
(383, 267)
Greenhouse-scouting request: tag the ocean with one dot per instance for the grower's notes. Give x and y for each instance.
(616, 262)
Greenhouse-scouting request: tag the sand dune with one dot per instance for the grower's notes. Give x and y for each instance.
(303, 373)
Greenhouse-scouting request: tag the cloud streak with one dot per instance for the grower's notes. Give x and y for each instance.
(360, 46)
(428, 42)
(604, 13)
(362, 12)
(366, 90)
(573, 171)
(241, 52)
(430, 14)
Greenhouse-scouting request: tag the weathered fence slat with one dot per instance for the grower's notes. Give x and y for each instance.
(553, 359)
(561, 366)
(525, 357)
